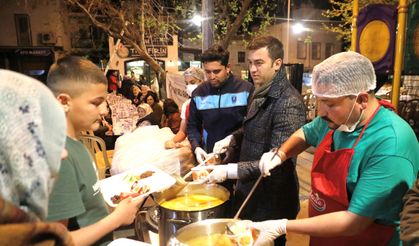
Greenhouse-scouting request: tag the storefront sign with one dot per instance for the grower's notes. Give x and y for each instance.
(160, 52)
(33, 52)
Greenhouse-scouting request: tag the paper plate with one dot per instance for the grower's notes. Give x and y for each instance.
(127, 242)
(123, 182)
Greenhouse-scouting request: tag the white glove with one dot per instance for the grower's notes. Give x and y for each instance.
(200, 155)
(222, 172)
(269, 230)
(268, 162)
(221, 146)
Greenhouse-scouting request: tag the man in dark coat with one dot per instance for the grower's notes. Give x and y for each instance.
(275, 112)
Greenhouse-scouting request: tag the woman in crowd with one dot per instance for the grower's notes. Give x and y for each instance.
(152, 100)
(145, 115)
(32, 139)
(144, 90)
(137, 95)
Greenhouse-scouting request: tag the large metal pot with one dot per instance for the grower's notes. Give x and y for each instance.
(172, 220)
(199, 229)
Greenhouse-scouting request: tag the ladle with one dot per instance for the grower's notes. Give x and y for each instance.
(252, 190)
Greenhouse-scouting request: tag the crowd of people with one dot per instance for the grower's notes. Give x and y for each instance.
(364, 175)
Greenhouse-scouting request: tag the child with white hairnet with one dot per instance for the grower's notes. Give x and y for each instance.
(366, 159)
(32, 137)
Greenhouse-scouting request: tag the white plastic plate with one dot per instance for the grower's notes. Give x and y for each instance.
(116, 184)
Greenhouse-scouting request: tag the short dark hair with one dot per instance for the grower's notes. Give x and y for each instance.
(274, 46)
(70, 74)
(153, 95)
(170, 107)
(216, 53)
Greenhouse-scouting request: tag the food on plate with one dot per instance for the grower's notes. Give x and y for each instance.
(199, 175)
(192, 202)
(136, 190)
(131, 178)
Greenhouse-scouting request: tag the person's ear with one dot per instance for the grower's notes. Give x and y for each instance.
(228, 68)
(277, 64)
(363, 99)
(65, 100)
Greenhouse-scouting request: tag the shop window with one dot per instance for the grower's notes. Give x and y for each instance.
(329, 50)
(241, 57)
(301, 50)
(23, 30)
(315, 50)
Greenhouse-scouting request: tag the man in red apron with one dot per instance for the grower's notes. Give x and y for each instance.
(366, 159)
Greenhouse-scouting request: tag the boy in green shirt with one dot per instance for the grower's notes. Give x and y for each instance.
(80, 87)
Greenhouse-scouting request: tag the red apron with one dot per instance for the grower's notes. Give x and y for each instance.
(328, 184)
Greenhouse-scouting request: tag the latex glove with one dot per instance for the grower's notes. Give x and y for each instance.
(269, 230)
(200, 155)
(269, 161)
(222, 172)
(221, 146)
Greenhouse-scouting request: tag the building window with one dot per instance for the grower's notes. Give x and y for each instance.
(315, 50)
(241, 57)
(301, 50)
(328, 50)
(23, 30)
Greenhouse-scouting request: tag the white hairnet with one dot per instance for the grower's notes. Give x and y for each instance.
(343, 74)
(195, 72)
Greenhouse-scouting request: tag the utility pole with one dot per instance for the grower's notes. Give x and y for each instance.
(287, 55)
(207, 24)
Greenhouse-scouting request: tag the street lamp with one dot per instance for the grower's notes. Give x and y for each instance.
(197, 20)
(298, 28)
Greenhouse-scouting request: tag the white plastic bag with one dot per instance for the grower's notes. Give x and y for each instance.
(145, 146)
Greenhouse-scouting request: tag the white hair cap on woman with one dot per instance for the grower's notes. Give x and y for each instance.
(343, 74)
(195, 72)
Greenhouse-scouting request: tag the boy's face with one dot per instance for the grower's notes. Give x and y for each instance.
(85, 110)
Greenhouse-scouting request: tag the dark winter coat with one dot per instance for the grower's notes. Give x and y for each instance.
(270, 121)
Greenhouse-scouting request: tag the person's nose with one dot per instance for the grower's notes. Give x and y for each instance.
(321, 109)
(252, 68)
(103, 110)
(211, 76)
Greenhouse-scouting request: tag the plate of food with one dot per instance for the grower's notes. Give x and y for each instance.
(135, 183)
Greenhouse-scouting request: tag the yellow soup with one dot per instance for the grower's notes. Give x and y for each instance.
(192, 203)
(217, 239)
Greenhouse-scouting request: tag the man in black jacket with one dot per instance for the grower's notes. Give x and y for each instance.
(276, 111)
(218, 106)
